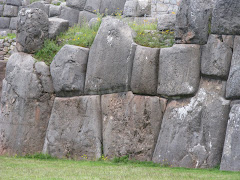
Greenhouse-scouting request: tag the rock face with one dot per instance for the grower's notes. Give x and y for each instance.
(68, 70)
(137, 8)
(166, 22)
(233, 83)
(4, 22)
(40, 5)
(225, 19)
(145, 71)
(74, 130)
(54, 10)
(112, 6)
(231, 155)
(110, 58)
(25, 108)
(10, 11)
(217, 56)
(193, 19)
(179, 70)
(193, 130)
(57, 26)
(78, 4)
(69, 14)
(85, 17)
(32, 30)
(93, 5)
(131, 125)
(2, 74)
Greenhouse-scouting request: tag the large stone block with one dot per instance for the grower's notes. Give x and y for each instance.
(231, 154)
(193, 19)
(166, 22)
(226, 17)
(179, 70)
(4, 22)
(131, 125)
(57, 26)
(2, 74)
(69, 14)
(32, 30)
(85, 17)
(77, 4)
(25, 108)
(1, 10)
(145, 71)
(54, 10)
(193, 130)
(10, 11)
(110, 58)
(13, 23)
(233, 82)
(112, 6)
(216, 56)
(74, 129)
(14, 2)
(68, 70)
(40, 5)
(93, 5)
(137, 8)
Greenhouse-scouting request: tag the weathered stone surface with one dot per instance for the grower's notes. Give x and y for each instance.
(231, 154)
(14, 2)
(166, 22)
(10, 11)
(233, 82)
(226, 17)
(85, 17)
(131, 124)
(110, 58)
(217, 56)
(192, 23)
(74, 130)
(78, 4)
(54, 10)
(137, 8)
(32, 30)
(4, 22)
(40, 5)
(93, 5)
(193, 130)
(112, 6)
(145, 71)
(2, 74)
(57, 26)
(69, 14)
(13, 23)
(68, 70)
(25, 108)
(179, 70)
(1, 10)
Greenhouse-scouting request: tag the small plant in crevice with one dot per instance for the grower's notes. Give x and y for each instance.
(122, 159)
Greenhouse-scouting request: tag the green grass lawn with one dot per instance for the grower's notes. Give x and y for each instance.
(23, 168)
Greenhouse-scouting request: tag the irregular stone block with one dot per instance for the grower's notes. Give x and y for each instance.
(25, 108)
(110, 58)
(74, 129)
(14, 2)
(216, 56)
(10, 11)
(231, 155)
(32, 30)
(78, 4)
(112, 6)
(13, 23)
(57, 26)
(193, 130)
(40, 5)
(68, 70)
(226, 17)
(93, 5)
(145, 71)
(192, 23)
(85, 17)
(2, 74)
(4, 22)
(179, 70)
(54, 10)
(166, 22)
(131, 125)
(69, 14)
(137, 8)
(233, 82)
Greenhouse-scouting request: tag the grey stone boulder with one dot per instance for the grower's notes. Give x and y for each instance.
(145, 71)
(193, 21)
(57, 26)
(85, 17)
(40, 5)
(54, 10)
(25, 108)
(233, 83)
(179, 70)
(137, 8)
(216, 56)
(131, 125)
(4, 22)
(93, 6)
(32, 30)
(74, 129)
(10, 11)
(166, 22)
(226, 17)
(231, 155)
(193, 130)
(112, 6)
(68, 70)
(69, 14)
(110, 58)
(25, 2)
(13, 23)
(14, 2)
(76, 4)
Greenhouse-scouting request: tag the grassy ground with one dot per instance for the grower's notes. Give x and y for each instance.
(23, 168)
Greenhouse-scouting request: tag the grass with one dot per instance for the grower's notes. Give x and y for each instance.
(24, 168)
(9, 35)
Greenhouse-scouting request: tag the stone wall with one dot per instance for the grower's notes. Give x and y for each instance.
(164, 6)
